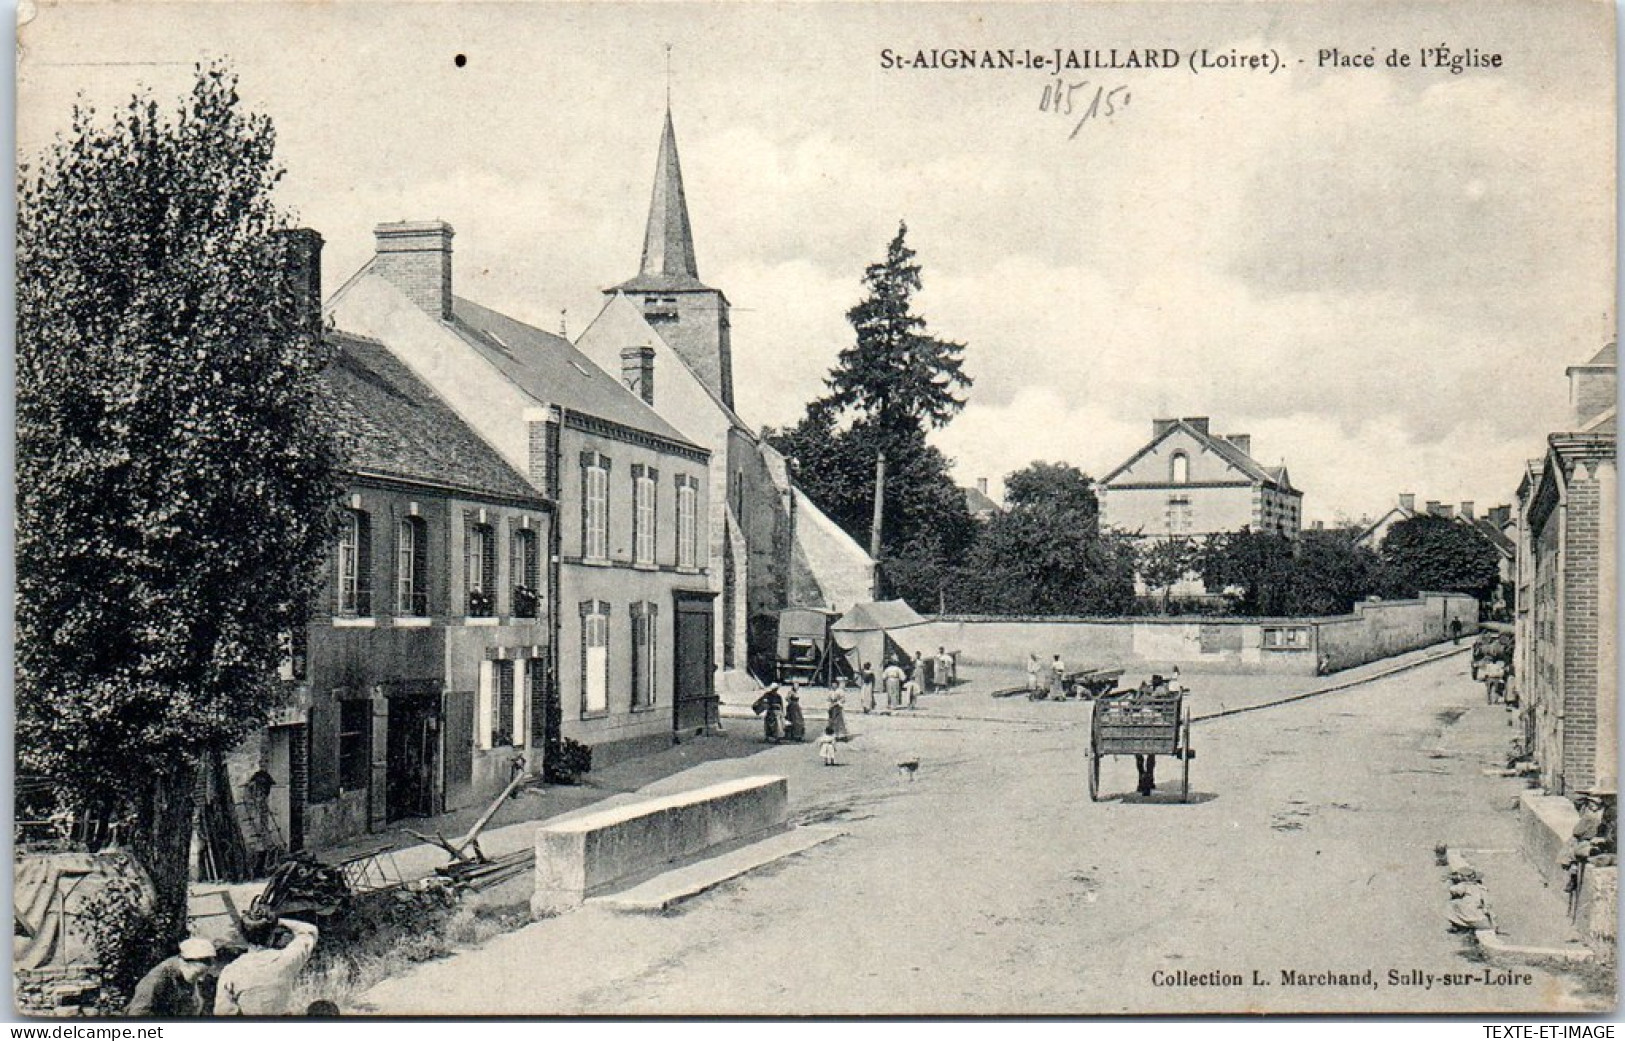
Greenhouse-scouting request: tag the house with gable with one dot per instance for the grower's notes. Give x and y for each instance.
(1188, 481)
(668, 336)
(633, 612)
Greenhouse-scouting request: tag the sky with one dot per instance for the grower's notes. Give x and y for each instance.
(1380, 274)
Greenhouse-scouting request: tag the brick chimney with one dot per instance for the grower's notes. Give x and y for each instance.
(415, 256)
(1467, 510)
(1199, 423)
(1160, 427)
(1242, 441)
(1432, 507)
(302, 264)
(1499, 515)
(981, 485)
(638, 372)
(1407, 501)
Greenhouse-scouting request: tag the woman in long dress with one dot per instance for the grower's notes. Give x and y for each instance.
(771, 707)
(795, 724)
(837, 712)
(894, 686)
(866, 685)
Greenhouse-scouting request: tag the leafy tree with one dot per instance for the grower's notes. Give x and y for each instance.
(1440, 555)
(1038, 559)
(175, 471)
(896, 375)
(1061, 484)
(1163, 562)
(1329, 574)
(1253, 564)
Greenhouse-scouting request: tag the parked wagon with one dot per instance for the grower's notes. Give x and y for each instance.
(1133, 723)
(1093, 683)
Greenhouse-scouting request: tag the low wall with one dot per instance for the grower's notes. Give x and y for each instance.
(587, 854)
(1293, 646)
(1548, 825)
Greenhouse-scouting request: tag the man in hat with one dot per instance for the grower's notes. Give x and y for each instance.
(170, 990)
(260, 983)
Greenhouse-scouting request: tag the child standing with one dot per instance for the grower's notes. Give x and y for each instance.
(826, 746)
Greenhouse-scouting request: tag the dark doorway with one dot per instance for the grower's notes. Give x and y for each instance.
(694, 701)
(414, 740)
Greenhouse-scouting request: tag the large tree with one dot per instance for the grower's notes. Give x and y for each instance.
(896, 374)
(1442, 555)
(175, 470)
(861, 452)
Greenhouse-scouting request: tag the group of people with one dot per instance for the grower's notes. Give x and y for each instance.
(201, 979)
(1046, 681)
(783, 718)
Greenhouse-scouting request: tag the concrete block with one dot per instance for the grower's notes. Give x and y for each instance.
(584, 855)
(1548, 824)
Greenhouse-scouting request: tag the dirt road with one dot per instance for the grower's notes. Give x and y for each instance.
(991, 884)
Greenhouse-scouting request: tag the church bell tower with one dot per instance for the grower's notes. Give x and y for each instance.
(689, 315)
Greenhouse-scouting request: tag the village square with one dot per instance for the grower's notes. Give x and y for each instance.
(392, 641)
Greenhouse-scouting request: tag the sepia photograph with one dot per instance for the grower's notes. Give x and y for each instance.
(583, 508)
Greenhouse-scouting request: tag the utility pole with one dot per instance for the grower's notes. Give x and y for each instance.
(880, 511)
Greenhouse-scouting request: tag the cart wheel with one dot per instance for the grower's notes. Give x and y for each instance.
(1094, 776)
(1185, 760)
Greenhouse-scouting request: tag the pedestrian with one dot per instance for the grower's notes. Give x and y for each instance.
(260, 983)
(1057, 679)
(1455, 630)
(945, 669)
(1032, 674)
(837, 713)
(866, 684)
(915, 685)
(170, 989)
(795, 724)
(770, 706)
(826, 746)
(894, 686)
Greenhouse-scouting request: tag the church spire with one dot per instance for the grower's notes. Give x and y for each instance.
(668, 243)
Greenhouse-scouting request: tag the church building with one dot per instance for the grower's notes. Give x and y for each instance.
(668, 335)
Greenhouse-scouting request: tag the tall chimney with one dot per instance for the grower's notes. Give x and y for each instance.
(1199, 423)
(302, 277)
(981, 485)
(416, 257)
(1407, 501)
(1467, 510)
(638, 372)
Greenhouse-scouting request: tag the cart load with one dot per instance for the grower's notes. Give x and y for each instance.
(1140, 724)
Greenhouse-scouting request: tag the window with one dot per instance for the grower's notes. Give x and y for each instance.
(594, 657)
(355, 744)
(1179, 468)
(644, 630)
(355, 564)
(1179, 515)
(1295, 638)
(479, 568)
(687, 531)
(643, 515)
(594, 506)
(411, 568)
(499, 710)
(524, 572)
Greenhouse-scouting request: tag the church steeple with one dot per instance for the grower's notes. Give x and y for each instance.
(668, 242)
(688, 314)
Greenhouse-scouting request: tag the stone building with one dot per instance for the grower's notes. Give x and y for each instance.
(1567, 578)
(669, 336)
(633, 614)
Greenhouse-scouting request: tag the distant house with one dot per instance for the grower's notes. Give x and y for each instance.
(634, 658)
(1187, 481)
(668, 336)
(979, 503)
(1567, 581)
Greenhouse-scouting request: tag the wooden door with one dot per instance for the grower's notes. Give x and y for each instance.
(694, 701)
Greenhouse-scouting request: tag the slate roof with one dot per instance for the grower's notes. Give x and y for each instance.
(668, 241)
(979, 503)
(393, 425)
(1274, 476)
(549, 368)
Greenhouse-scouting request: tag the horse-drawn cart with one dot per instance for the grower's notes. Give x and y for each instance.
(1141, 724)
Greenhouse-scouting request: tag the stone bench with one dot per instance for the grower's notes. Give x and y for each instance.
(584, 855)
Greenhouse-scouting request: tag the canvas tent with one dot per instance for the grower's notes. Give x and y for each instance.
(867, 633)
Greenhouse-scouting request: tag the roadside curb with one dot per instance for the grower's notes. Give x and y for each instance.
(1335, 687)
(1490, 940)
